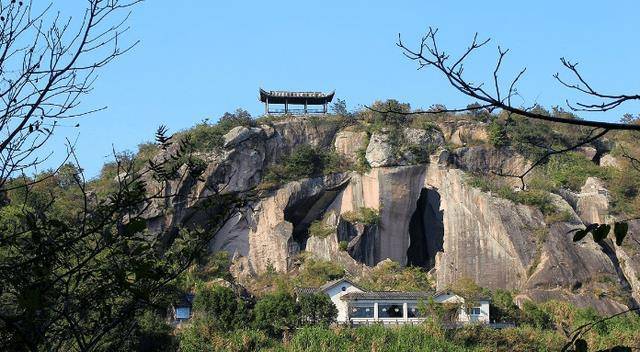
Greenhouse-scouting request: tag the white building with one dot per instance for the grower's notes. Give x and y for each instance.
(357, 306)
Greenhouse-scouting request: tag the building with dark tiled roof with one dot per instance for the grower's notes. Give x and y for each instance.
(357, 306)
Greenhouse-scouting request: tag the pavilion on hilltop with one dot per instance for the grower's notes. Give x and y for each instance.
(286, 98)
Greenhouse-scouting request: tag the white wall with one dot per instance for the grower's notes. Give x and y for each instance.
(335, 293)
(462, 315)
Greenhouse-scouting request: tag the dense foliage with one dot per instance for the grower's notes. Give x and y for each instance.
(304, 162)
(220, 308)
(363, 215)
(391, 276)
(541, 330)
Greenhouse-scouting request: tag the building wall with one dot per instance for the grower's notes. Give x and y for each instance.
(463, 316)
(335, 293)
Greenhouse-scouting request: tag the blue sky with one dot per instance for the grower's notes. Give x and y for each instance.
(198, 59)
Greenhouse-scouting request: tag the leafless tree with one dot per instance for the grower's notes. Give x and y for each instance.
(428, 53)
(47, 63)
(496, 96)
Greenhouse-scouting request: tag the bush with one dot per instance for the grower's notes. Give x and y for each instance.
(276, 313)
(497, 134)
(571, 170)
(314, 272)
(153, 334)
(363, 215)
(502, 307)
(390, 275)
(220, 309)
(535, 316)
(195, 338)
(369, 338)
(343, 245)
(320, 229)
(208, 137)
(388, 112)
(533, 197)
(424, 122)
(305, 162)
(316, 309)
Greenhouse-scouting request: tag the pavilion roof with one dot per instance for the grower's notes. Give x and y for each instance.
(280, 96)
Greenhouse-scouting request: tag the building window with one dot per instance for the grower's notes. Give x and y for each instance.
(361, 311)
(390, 311)
(183, 312)
(414, 312)
(473, 311)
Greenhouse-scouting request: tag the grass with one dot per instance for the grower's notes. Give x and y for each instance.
(363, 215)
(320, 229)
(538, 198)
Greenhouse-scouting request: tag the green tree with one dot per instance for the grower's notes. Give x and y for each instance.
(220, 308)
(276, 313)
(497, 134)
(340, 108)
(316, 309)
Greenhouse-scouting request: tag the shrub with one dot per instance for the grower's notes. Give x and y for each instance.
(533, 197)
(220, 309)
(468, 289)
(363, 215)
(497, 134)
(316, 309)
(535, 316)
(275, 313)
(503, 309)
(153, 334)
(208, 137)
(390, 111)
(390, 275)
(571, 170)
(316, 272)
(304, 162)
(320, 229)
(215, 266)
(343, 245)
(424, 122)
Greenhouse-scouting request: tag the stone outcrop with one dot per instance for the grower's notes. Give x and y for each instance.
(428, 215)
(463, 133)
(609, 160)
(593, 202)
(349, 143)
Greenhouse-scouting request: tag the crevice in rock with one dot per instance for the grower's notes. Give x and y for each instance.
(361, 239)
(426, 230)
(624, 282)
(302, 212)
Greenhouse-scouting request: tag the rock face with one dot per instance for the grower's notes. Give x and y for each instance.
(593, 202)
(349, 143)
(428, 215)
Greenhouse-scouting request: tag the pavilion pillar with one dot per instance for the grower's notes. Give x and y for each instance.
(266, 106)
(286, 106)
(375, 311)
(405, 311)
(305, 107)
(324, 108)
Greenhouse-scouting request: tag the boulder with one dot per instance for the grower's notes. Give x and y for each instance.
(593, 201)
(240, 134)
(349, 143)
(609, 160)
(379, 152)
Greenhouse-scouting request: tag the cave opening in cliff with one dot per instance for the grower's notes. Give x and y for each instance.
(305, 210)
(426, 230)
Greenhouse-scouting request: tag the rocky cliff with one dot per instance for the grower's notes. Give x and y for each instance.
(427, 214)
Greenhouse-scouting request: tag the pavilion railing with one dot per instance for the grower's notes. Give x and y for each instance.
(297, 111)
